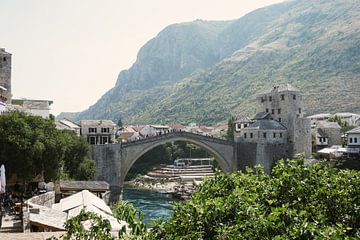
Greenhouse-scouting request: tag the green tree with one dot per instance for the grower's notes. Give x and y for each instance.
(31, 145)
(76, 163)
(231, 129)
(343, 124)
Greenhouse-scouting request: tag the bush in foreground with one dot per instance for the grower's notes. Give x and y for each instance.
(296, 202)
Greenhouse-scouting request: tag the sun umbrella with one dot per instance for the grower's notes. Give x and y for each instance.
(2, 178)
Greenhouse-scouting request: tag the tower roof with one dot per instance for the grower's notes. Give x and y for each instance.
(3, 52)
(282, 88)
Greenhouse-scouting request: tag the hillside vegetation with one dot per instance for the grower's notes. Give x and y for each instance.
(205, 71)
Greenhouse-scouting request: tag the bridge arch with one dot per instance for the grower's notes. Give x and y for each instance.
(113, 161)
(222, 161)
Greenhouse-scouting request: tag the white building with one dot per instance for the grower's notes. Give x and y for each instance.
(154, 130)
(32, 106)
(98, 131)
(353, 137)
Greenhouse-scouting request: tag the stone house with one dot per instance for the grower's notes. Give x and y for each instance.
(353, 138)
(98, 131)
(34, 107)
(325, 134)
(154, 130)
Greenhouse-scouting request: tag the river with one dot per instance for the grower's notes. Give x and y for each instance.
(153, 205)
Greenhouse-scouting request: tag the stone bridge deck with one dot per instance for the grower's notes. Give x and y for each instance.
(177, 134)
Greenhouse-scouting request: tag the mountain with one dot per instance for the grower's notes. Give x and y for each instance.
(204, 71)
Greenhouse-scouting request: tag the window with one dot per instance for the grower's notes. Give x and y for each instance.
(279, 110)
(272, 111)
(92, 130)
(264, 134)
(274, 135)
(104, 140)
(251, 135)
(294, 97)
(350, 140)
(299, 110)
(244, 135)
(262, 99)
(4, 59)
(280, 135)
(270, 98)
(267, 110)
(282, 97)
(245, 125)
(105, 130)
(355, 140)
(279, 119)
(92, 140)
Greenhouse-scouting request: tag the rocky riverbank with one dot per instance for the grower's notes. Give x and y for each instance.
(173, 186)
(179, 182)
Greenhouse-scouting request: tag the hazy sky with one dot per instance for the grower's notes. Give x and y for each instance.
(71, 51)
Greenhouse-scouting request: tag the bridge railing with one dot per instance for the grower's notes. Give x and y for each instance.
(176, 134)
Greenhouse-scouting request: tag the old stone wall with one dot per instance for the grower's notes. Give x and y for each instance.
(302, 137)
(5, 72)
(246, 154)
(250, 154)
(108, 163)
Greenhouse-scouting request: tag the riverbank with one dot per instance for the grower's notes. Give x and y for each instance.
(174, 187)
(180, 183)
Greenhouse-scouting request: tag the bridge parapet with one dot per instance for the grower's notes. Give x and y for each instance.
(177, 134)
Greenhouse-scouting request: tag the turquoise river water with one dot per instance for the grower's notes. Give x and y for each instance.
(153, 205)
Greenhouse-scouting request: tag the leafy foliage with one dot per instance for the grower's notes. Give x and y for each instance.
(296, 202)
(343, 124)
(31, 145)
(126, 212)
(97, 227)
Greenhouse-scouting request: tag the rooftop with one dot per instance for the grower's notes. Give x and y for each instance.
(354, 130)
(260, 115)
(97, 122)
(3, 52)
(69, 123)
(282, 88)
(326, 124)
(93, 186)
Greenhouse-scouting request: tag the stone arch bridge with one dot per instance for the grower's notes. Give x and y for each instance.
(113, 161)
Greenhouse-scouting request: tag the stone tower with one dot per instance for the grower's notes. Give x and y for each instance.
(5, 72)
(284, 104)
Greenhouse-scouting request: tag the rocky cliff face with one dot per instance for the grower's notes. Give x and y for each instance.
(205, 71)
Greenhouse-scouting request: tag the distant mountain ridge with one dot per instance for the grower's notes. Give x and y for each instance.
(204, 71)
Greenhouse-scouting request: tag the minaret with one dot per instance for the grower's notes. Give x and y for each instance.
(5, 73)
